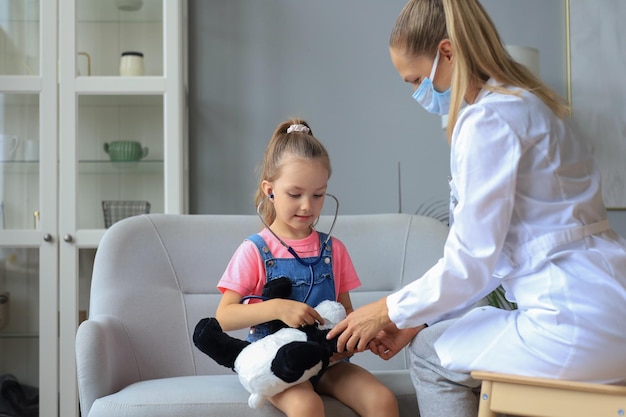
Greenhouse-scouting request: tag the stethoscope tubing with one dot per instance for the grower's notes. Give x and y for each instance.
(289, 248)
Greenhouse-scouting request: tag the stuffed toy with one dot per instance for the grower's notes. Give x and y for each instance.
(284, 358)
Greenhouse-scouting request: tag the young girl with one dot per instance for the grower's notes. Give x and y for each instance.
(529, 216)
(291, 194)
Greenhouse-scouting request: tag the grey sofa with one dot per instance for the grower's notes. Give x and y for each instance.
(155, 277)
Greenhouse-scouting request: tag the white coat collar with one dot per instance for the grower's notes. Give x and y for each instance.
(491, 82)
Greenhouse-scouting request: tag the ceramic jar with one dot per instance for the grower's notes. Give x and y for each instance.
(131, 64)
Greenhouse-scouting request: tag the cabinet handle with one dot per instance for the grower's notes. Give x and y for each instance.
(47, 237)
(68, 238)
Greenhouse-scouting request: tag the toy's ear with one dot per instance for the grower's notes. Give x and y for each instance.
(277, 288)
(209, 337)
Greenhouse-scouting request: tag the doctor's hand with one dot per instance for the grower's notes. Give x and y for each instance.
(361, 326)
(389, 341)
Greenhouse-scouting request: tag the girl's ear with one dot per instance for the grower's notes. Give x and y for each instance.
(267, 187)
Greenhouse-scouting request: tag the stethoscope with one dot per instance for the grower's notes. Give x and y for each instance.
(309, 264)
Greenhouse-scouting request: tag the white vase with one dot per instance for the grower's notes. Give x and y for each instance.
(8, 147)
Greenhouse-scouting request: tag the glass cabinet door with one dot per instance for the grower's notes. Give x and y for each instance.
(119, 35)
(19, 331)
(19, 37)
(120, 158)
(19, 114)
(19, 161)
(28, 216)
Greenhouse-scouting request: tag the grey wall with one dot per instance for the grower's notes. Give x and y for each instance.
(254, 63)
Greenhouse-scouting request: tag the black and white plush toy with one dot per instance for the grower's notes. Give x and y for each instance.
(278, 361)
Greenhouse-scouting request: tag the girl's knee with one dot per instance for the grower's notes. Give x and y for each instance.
(299, 401)
(311, 406)
(384, 403)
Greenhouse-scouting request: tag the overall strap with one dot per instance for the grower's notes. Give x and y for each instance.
(264, 250)
(327, 249)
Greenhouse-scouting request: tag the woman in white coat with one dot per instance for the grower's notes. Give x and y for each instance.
(528, 215)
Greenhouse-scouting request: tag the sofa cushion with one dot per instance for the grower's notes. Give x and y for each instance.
(223, 396)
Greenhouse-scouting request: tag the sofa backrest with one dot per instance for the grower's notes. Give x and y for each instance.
(156, 274)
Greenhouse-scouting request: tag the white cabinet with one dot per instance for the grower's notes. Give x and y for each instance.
(62, 96)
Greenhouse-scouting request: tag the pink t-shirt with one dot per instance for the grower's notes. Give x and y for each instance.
(245, 273)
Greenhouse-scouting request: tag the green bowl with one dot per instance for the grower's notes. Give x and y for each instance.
(125, 150)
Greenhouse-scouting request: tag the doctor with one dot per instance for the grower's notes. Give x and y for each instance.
(529, 216)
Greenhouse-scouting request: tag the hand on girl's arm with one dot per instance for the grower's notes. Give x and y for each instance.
(361, 326)
(389, 341)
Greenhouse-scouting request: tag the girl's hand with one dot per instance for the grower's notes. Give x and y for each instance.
(295, 313)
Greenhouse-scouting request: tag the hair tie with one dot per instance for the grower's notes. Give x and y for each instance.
(298, 128)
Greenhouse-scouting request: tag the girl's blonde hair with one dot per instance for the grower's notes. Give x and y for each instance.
(299, 144)
(478, 51)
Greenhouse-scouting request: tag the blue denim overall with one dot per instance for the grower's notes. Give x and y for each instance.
(323, 287)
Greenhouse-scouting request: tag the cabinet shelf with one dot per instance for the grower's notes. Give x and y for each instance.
(19, 167)
(117, 85)
(18, 86)
(18, 335)
(89, 167)
(108, 167)
(21, 269)
(98, 11)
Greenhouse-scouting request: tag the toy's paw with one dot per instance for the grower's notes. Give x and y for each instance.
(332, 312)
(209, 337)
(294, 359)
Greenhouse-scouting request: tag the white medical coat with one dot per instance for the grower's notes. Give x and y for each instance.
(529, 217)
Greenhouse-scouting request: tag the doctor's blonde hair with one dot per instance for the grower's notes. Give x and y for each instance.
(299, 144)
(478, 51)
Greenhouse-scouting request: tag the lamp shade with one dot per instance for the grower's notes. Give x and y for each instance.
(527, 56)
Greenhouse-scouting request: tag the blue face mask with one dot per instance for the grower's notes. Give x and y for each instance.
(429, 98)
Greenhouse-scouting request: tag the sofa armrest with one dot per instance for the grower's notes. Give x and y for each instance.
(105, 360)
